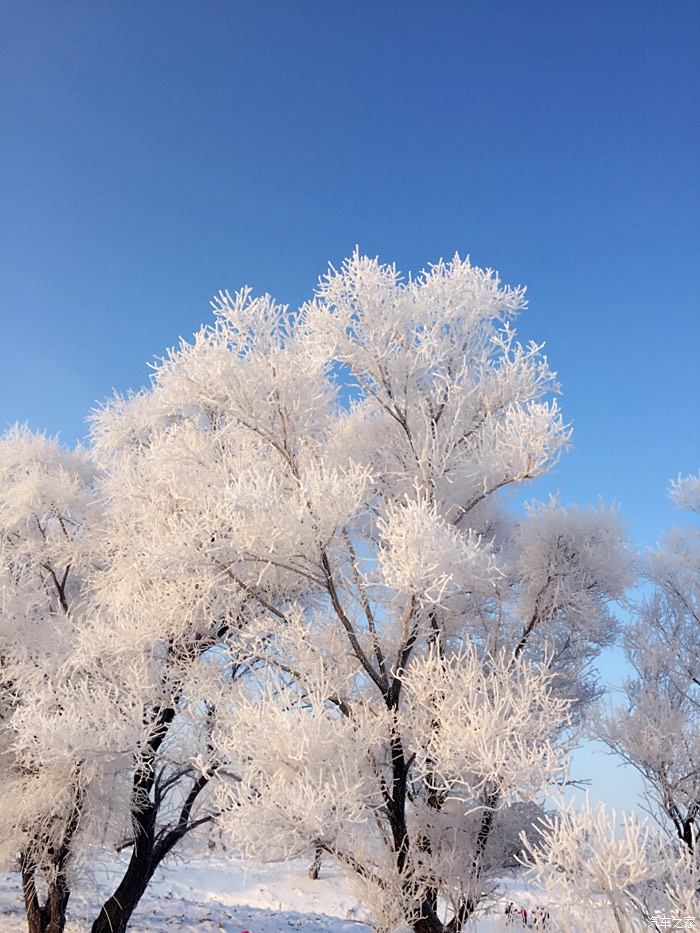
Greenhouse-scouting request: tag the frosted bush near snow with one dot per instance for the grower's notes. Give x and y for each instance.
(621, 873)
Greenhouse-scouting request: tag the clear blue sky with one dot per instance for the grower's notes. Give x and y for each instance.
(154, 152)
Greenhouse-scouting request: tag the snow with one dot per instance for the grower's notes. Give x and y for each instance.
(219, 894)
(214, 895)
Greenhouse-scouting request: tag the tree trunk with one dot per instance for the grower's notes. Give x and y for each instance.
(315, 867)
(116, 912)
(482, 838)
(149, 850)
(51, 916)
(428, 924)
(427, 920)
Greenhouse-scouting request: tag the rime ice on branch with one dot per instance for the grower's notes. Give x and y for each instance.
(657, 730)
(294, 595)
(419, 656)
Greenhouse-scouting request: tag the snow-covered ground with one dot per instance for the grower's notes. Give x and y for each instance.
(217, 894)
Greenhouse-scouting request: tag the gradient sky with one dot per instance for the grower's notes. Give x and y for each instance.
(154, 152)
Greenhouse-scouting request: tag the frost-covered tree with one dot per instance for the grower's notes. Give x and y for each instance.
(600, 872)
(657, 728)
(48, 719)
(327, 484)
(168, 623)
(625, 874)
(103, 706)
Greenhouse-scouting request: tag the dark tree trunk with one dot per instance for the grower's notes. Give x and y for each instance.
(51, 916)
(149, 849)
(428, 925)
(482, 838)
(315, 867)
(427, 920)
(116, 912)
(151, 844)
(145, 802)
(147, 854)
(687, 828)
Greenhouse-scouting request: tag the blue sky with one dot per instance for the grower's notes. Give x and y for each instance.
(155, 152)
